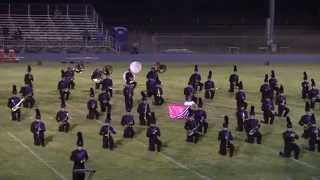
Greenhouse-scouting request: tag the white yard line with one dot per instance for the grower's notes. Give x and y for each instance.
(179, 164)
(314, 178)
(303, 163)
(289, 178)
(37, 156)
(170, 159)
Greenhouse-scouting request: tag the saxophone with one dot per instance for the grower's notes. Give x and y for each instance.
(145, 112)
(253, 130)
(158, 92)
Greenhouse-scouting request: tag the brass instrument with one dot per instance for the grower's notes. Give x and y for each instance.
(17, 106)
(192, 131)
(145, 112)
(158, 92)
(97, 80)
(253, 130)
(160, 68)
(154, 132)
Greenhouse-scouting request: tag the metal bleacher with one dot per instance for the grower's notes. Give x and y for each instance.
(53, 28)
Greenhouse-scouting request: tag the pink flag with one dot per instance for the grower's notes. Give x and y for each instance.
(178, 111)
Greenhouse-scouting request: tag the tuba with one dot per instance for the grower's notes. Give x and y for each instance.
(160, 68)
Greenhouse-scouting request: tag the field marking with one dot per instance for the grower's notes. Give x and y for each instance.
(289, 178)
(178, 163)
(170, 159)
(37, 156)
(314, 178)
(303, 163)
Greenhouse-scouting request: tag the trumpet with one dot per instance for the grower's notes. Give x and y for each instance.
(17, 106)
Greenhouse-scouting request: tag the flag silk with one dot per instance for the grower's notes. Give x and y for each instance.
(178, 111)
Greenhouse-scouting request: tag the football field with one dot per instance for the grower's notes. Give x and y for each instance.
(130, 160)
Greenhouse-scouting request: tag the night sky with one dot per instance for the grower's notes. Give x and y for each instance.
(184, 11)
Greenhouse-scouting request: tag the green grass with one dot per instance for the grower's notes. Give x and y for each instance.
(131, 160)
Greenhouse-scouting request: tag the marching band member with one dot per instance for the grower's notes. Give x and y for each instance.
(62, 118)
(192, 128)
(28, 77)
(79, 157)
(233, 79)
(200, 116)
(69, 76)
(128, 122)
(13, 102)
(313, 135)
(27, 93)
(157, 94)
(314, 94)
(195, 79)
(242, 115)
(265, 89)
(106, 132)
(209, 87)
(107, 83)
(152, 74)
(151, 118)
(143, 109)
(268, 108)
(307, 120)
(252, 126)
(189, 91)
(153, 133)
(129, 77)
(241, 97)
(104, 101)
(289, 137)
(305, 86)
(225, 137)
(128, 96)
(281, 101)
(38, 128)
(273, 82)
(92, 106)
(64, 86)
(97, 76)
(150, 86)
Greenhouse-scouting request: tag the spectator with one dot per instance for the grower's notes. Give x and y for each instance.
(86, 36)
(135, 48)
(5, 31)
(18, 34)
(100, 35)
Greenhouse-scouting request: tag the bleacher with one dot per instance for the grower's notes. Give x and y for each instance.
(45, 29)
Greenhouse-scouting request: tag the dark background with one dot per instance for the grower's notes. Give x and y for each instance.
(201, 12)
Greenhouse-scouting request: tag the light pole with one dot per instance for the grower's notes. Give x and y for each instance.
(270, 26)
